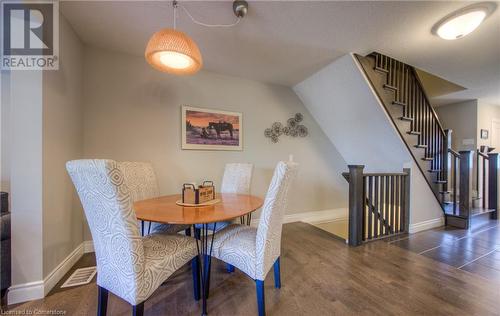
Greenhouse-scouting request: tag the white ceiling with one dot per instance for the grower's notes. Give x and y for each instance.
(285, 42)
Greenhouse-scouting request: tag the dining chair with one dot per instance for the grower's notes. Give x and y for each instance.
(129, 265)
(255, 250)
(236, 179)
(141, 181)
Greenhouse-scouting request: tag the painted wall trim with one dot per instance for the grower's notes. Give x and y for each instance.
(25, 292)
(315, 217)
(425, 225)
(58, 273)
(88, 246)
(39, 289)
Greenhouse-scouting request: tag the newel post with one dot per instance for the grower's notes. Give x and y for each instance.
(465, 194)
(493, 184)
(356, 204)
(446, 157)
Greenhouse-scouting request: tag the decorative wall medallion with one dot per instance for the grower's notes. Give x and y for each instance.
(293, 128)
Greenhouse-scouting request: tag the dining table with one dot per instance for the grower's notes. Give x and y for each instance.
(228, 206)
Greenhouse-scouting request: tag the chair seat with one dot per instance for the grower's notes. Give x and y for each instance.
(219, 226)
(163, 255)
(158, 228)
(235, 245)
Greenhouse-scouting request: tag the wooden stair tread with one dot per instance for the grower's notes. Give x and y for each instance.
(413, 133)
(434, 170)
(481, 211)
(420, 146)
(398, 103)
(389, 87)
(428, 158)
(381, 70)
(406, 118)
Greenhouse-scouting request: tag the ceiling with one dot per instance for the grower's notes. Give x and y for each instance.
(285, 42)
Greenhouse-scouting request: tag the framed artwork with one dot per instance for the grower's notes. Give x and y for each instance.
(484, 134)
(209, 129)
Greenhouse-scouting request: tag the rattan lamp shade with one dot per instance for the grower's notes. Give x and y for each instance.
(174, 52)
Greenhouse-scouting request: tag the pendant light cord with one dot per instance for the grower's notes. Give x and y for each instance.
(177, 4)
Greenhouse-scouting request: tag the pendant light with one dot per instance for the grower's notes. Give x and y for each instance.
(172, 51)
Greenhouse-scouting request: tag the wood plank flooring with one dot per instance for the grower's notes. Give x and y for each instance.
(320, 276)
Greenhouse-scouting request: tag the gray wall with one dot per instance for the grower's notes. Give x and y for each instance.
(22, 101)
(486, 113)
(461, 118)
(133, 112)
(62, 141)
(347, 109)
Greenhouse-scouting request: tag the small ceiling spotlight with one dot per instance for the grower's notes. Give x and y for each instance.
(462, 22)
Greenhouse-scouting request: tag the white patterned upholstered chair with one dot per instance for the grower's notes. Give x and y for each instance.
(255, 250)
(130, 266)
(141, 181)
(236, 179)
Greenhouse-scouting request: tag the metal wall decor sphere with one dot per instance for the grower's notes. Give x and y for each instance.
(293, 128)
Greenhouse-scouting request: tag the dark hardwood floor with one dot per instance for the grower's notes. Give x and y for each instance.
(320, 276)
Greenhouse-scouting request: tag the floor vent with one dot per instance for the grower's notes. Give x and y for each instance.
(80, 276)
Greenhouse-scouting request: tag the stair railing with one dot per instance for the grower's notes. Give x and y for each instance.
(417, 109)
(379, 204)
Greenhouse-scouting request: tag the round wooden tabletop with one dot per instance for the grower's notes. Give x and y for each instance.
(165, 210)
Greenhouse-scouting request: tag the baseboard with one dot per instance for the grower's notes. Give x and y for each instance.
(58, 273)
(88, 246)
(25, 292)
(36, 290)
(425, 225)
(315, 217)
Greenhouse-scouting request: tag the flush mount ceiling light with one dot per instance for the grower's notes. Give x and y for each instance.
(172, 51)
(462, 22)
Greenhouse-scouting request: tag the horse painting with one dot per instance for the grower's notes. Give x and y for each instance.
(221, 127)
(211, 129)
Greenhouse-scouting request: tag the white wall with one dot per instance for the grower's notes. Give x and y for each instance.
(62, 141)
(340, 98)
(133, 112)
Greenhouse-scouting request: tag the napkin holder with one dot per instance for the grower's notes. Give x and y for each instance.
(202, 194)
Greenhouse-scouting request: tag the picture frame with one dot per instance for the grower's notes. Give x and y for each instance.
(484, 134)
(211, 129)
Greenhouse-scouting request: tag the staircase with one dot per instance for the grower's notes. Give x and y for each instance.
(447, 172)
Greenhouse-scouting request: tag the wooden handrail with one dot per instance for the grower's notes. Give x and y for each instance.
(454, 153)
(485, 156)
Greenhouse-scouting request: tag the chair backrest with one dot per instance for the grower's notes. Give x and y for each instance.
(108, 207)
(268, 243)
(140, 179)
(237, 178)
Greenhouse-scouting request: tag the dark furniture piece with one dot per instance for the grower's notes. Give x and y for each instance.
(5, 253)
